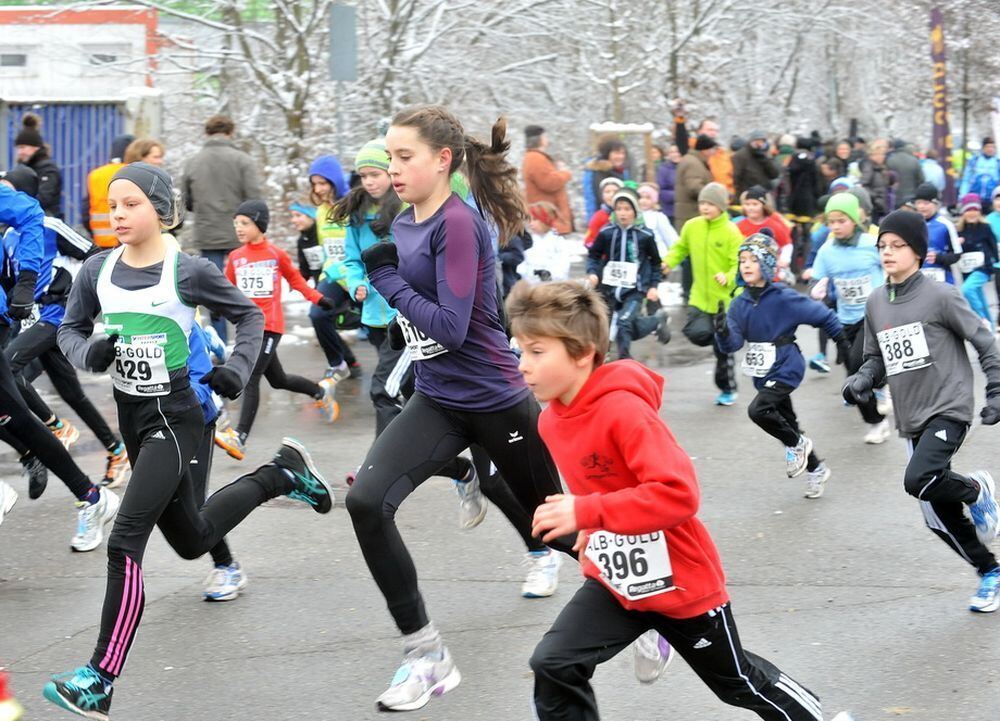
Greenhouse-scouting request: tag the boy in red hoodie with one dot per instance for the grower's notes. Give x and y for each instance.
(633, 495)
(256, 268)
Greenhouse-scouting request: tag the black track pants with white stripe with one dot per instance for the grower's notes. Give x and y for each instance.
(593, 628)
(943, 494)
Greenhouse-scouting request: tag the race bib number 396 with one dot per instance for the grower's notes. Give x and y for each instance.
(634, 567)
(904, 348)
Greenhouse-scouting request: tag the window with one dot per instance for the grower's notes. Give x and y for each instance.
(103, 55)
(13, 60)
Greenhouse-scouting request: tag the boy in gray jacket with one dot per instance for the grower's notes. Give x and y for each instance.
(915, 334)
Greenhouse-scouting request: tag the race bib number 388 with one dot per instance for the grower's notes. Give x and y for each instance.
(634, 567)
(904, 348)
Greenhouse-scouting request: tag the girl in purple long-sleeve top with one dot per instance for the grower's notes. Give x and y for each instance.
(440, 274)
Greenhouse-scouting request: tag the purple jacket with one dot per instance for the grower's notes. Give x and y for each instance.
(666, 178)
(446, 288)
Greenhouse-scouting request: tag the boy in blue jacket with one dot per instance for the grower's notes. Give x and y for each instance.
(625, 263)
(765, 317)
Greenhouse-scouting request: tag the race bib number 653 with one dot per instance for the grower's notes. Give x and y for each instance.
(633, 566)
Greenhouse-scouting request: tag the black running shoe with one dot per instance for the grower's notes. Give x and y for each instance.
(309, 486)
(37, 474)
(82, 692)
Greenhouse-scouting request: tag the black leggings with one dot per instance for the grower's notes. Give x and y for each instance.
(943, 494)
(31, 433)
(772, 410)
(269, 366)
(422, 438)
(334, 347)
(855, 335)
(200, 468)
(161, 443)
(39, 342)
(594, 628)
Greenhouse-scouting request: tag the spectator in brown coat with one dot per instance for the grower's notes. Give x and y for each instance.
(693, 174)
(544, 178)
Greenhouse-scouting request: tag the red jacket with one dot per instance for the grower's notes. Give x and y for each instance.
(598, 220)
(630, 477)
(257, 270)
(782, 235)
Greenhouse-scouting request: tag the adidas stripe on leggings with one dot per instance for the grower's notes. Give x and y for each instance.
(161, 442)
(415, 445)
(594, 628)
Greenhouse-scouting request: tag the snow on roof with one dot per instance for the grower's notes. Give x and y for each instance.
(610, 127)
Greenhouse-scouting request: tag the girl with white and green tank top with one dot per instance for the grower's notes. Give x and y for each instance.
(146, 292)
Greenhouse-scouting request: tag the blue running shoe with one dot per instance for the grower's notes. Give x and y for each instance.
(83, 692)
(309, 485)
(818, 363)
(984, 512)
(725, 399)
(987, 598)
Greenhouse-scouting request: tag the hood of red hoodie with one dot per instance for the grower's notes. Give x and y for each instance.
(624, 375)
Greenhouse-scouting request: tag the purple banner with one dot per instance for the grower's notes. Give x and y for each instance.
(941, 137)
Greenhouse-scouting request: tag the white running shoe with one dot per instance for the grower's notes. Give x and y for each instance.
(816, 480)
(418, 679)
(883, 400)
(843, 716)
(8, 497)
(472, 504)
(91, 520)
(651, 654)
(543, 574)
(224, 583)
(878, 433)
(797, 457)
(985, 511)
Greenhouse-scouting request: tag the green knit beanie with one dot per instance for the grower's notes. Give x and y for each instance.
(847, 204)
(372, 155)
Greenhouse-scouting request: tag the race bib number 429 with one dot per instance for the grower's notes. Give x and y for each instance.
(633, 566)
(904, 348)
(140, 367)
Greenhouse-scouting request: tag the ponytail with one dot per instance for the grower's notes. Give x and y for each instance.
(492, 179)
(493, 182)
(353, 207)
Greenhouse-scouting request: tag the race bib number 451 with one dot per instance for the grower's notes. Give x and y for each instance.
(904, 348)
(634, 567)
(620, 274)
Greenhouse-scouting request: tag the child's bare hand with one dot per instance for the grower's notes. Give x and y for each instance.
(652, 295)
(554, 518)
(721, 279)
(361, 293)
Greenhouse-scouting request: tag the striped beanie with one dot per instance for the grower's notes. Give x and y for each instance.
(372, 155)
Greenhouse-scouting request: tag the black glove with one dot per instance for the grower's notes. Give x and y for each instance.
(843, 349)
(326, 303)
(224, 382)
(857, 389)
(101, 354)
(395, 333)
(543, 275)
(22, 295)
(991, 411)
(720, 323)
(378, 256)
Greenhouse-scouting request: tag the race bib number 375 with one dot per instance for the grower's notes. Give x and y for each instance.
(904, 348)
(634, 567)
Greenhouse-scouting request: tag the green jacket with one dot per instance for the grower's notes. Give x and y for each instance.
(714, 247)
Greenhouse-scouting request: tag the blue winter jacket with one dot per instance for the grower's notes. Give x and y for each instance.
(773, 318)
(24, 216)
(375, 310)
(939, 240)
(634, 244)
(199, 363)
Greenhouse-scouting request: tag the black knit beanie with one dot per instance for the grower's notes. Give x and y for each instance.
(909, 226)
(257, 211)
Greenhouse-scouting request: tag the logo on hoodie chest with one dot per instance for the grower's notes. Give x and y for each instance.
(597, 466)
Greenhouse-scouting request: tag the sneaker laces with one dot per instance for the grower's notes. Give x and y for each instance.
(988, 585)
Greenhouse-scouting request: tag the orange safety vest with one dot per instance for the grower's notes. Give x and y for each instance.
(100, 215)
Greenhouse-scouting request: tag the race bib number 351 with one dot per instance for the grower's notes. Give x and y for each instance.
(634, 567)
(904, 348)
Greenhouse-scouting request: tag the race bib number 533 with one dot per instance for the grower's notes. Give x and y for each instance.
(633, 566)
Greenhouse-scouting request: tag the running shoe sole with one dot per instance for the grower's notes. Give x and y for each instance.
(51, 692)
(439, 689)
(11, 500)
(232, 451)
(798, 471)
(301, 450)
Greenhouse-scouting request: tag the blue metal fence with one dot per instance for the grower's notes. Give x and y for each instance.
(80, 137)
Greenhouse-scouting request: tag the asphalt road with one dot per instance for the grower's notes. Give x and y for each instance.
(850, 594)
